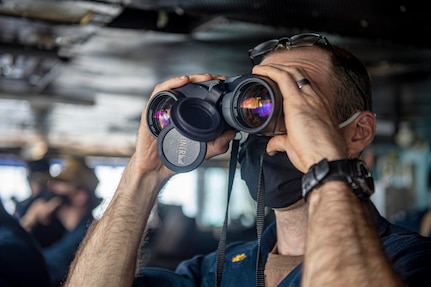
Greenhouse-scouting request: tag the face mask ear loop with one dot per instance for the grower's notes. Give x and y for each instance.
(349, 120)
(260, 217)
(222, 241)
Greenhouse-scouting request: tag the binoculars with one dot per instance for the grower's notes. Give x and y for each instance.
(184, 119)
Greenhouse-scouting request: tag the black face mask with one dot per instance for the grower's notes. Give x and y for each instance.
(282, 179)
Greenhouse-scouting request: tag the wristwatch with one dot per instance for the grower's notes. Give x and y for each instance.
(352, 171)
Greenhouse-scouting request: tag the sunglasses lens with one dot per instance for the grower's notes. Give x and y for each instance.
(302, 40)
(305, 40)
(260, 50)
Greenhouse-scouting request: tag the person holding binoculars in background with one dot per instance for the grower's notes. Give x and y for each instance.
(327, 231)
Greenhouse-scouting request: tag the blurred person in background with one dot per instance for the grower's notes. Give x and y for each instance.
(71, 203)
(38, 176)
(45, 230)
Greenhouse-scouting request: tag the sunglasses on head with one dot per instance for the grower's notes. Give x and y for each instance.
(257, 53)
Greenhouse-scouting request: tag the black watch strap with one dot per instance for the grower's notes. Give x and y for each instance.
(352, 171)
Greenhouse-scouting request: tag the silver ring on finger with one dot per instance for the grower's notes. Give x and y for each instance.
(302, 83)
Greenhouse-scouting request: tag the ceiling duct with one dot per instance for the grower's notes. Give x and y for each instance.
(60, 12)
(22, 73)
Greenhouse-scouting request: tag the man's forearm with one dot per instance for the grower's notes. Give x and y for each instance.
(343, 246)
(107, 256)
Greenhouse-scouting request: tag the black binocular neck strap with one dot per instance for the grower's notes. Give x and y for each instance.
(222, 241)
(260, 217)
(260, 221)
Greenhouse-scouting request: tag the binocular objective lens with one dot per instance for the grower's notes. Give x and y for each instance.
(162, 117)
(162, 113)
(255, 106)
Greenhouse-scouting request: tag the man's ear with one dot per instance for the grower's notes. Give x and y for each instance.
(360, 133)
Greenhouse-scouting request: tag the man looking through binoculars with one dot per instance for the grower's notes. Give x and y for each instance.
(327, 231)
